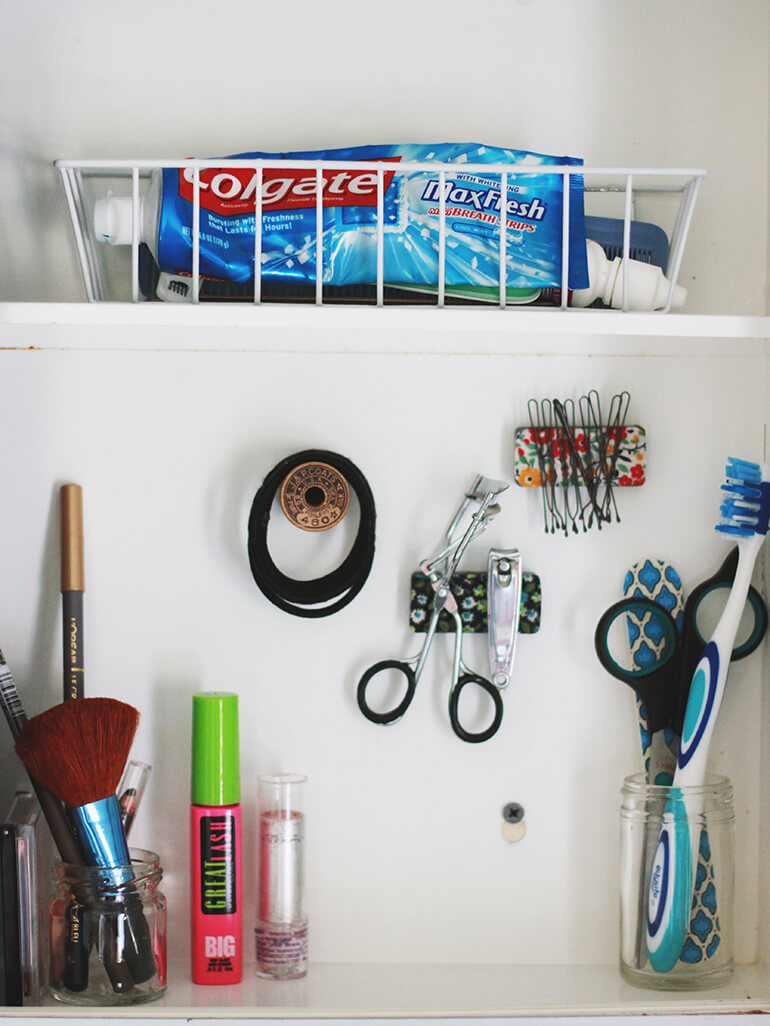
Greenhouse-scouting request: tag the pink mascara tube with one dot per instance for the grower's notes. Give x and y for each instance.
(215, 821)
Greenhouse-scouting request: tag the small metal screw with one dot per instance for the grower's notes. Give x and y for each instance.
(513, 812)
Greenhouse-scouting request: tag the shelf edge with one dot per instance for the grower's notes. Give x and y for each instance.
(531, 321)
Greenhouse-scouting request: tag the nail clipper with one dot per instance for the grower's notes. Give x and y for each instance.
(503, 604)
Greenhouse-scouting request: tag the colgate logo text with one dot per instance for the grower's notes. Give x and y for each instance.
(232, 191)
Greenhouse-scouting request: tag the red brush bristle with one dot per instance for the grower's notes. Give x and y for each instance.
(78, 749)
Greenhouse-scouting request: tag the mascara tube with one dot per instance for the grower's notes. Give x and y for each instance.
(215, 838)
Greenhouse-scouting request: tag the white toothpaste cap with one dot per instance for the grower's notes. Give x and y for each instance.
(114, 220)
(648, 287)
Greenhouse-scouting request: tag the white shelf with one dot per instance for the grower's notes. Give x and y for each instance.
(308, 328)
(337, 991)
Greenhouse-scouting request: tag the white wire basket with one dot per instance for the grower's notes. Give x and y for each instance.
(663, 196)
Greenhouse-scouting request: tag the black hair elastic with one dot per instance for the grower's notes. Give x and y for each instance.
(340, 586)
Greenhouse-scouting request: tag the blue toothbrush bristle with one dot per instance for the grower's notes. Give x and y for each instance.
(746, 509)
(744, 470)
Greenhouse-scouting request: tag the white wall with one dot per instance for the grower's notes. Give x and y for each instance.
(170, 448)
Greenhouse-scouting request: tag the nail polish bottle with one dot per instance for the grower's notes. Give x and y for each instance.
(281, 929)
(215, 820)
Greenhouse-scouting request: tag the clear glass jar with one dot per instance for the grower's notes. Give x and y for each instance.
(107, 933)
(706, 819)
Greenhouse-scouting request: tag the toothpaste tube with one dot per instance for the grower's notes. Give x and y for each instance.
(473, 209)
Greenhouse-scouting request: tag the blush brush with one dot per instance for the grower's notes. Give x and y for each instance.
(66, 843)
(78, 751)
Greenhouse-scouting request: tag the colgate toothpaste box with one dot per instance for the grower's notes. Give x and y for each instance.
(474, 207)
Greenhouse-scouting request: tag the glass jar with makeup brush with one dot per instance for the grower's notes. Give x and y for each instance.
(97, 955)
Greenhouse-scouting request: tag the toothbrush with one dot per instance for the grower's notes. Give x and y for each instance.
(744, 516)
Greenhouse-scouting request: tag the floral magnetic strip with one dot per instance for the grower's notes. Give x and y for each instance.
(536, 447)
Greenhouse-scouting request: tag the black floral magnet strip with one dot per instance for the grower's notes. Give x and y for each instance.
(470, 590)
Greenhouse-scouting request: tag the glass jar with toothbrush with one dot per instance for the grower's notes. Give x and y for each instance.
(703, 956)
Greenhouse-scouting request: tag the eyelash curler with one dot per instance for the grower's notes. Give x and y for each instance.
(439, 571)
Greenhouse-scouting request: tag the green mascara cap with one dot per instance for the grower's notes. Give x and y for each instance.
(216, 772)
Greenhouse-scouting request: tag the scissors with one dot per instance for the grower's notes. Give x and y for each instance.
(662, 680)
(439, 571)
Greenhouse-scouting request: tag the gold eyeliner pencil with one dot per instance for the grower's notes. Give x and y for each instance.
(72, 589)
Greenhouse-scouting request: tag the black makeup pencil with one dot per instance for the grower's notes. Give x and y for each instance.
(72, 588)
(73, 666)
(9, 917)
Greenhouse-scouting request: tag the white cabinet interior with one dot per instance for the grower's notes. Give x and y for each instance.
(170, 419)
